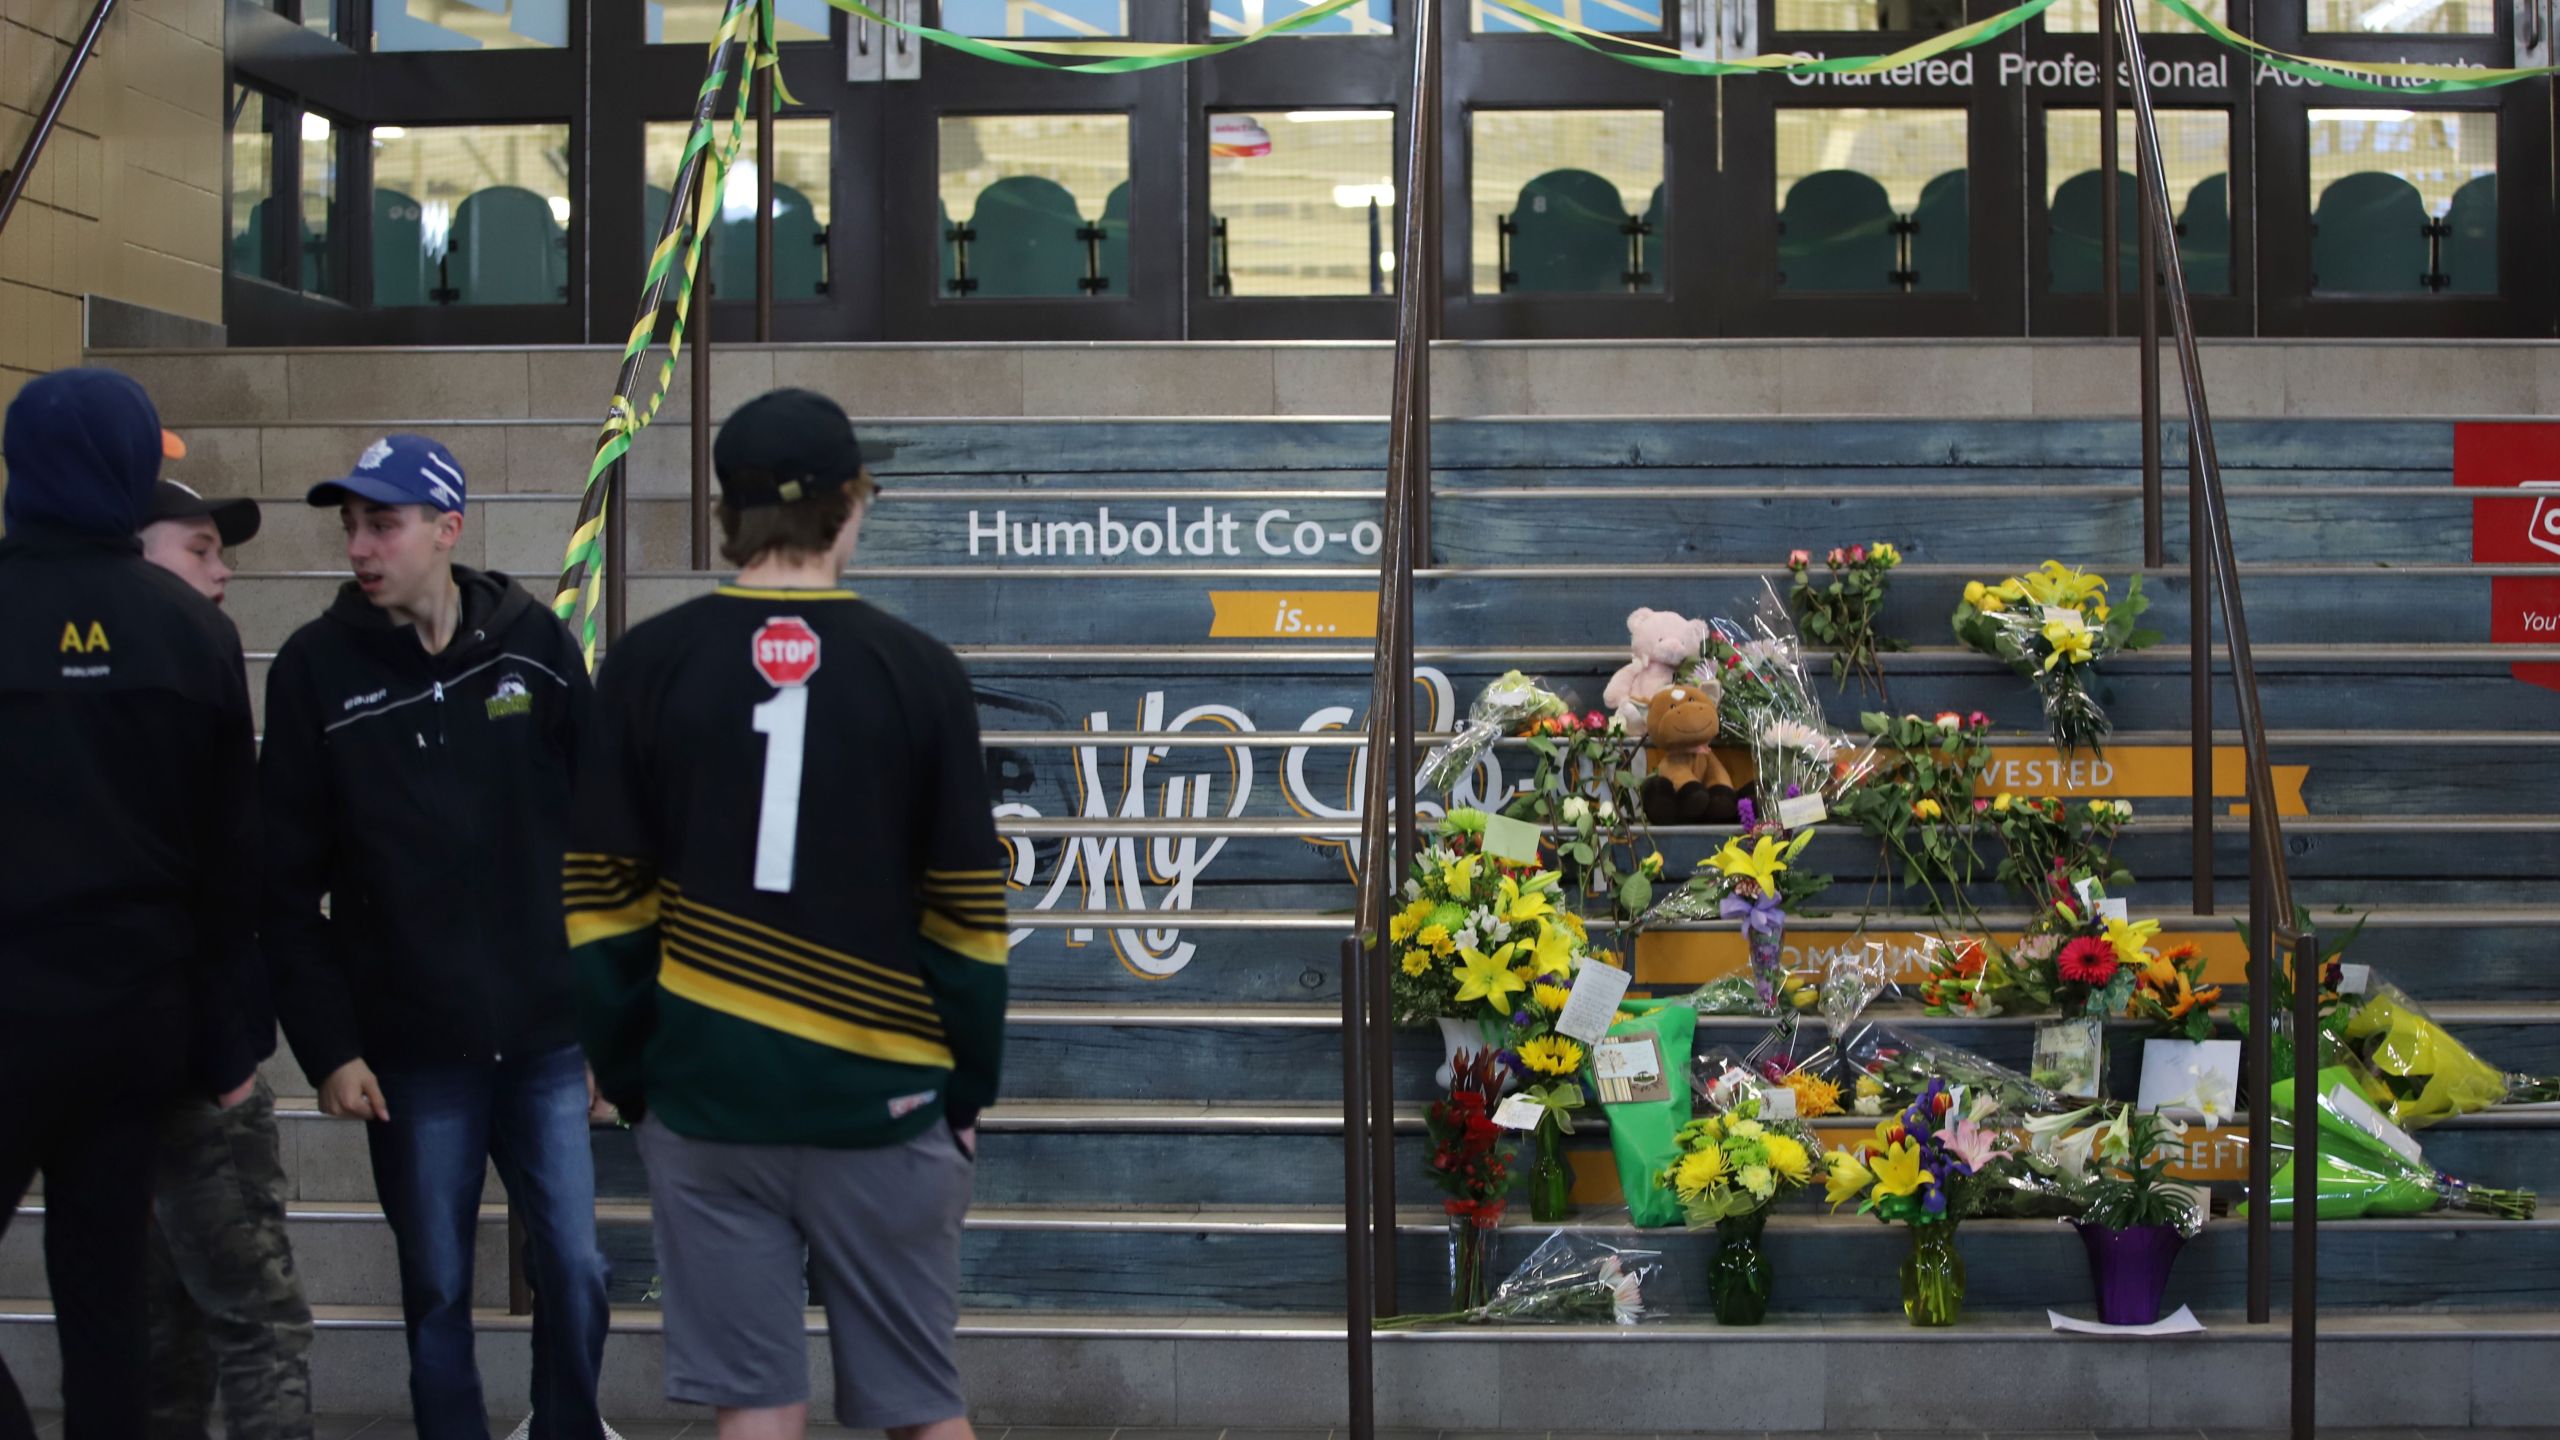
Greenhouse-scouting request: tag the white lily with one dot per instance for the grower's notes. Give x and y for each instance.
(2210, 1095)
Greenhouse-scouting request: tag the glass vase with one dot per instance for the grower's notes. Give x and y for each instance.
(1738, 1279)
(1550, 1178)
(1768, 963)
(1469, 1247)
(1933, 1275)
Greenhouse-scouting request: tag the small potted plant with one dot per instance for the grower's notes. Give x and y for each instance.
(2113, 1161)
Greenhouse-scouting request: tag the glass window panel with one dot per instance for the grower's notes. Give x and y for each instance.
(253, 185)
(1926, 17)
(694, 22)
(1570, 187)
(471, 214)
(1844, 177)
(2405, 17)
(1044, 202)
(2080, 17)
(1237, 17)
(470, 24)
(2195, 148)
(1617, 17)
(802, 207)
(318, 16)
(2381, 178)
(1037, 19)
(323, 272)
(1308, 200)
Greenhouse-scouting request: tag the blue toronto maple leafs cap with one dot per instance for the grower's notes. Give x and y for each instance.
(399, 470)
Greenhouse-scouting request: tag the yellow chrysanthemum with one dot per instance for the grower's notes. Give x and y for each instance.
(1436, 939)
(1700, 1171)
(1551, 1055)
(1550, 998)
(1409, 920)
(1415, 962)
(1790, 1159)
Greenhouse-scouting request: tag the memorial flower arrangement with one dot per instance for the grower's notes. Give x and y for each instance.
(1584, 790)
(2048, 845)
(1918, 801)
(2053, 625)
(2367, 1170)
(2080, 960)
(1841, 611)
(1471, 1166)
(1753, 879)
(1475, 929)
(2169, 991)
(1737, 1162)
(2425, 1074)
(1939, 1162)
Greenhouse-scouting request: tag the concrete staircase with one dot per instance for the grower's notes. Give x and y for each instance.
(1158, 1238)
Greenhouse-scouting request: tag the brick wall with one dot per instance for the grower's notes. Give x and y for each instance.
(127, 201)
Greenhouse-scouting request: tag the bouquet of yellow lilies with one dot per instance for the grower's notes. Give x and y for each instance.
(2053, 625)
(1477, 932)
(2427, 1075)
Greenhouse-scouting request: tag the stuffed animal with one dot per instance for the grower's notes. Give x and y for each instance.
(1661, 641)
(1689, 784)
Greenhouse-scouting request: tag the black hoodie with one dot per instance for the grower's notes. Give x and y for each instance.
(427, 797)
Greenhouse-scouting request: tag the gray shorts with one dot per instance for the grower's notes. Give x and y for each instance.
(875, 1232)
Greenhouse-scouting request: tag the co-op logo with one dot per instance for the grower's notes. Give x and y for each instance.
(2544, 529)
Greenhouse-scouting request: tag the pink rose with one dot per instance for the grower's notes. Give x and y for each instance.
(1857, 554)
(1798, 559)
(1977, 721)
(1836, 557)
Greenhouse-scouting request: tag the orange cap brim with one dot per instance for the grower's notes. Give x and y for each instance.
(171, 447)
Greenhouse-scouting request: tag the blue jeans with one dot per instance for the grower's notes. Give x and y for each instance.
(529, 1114)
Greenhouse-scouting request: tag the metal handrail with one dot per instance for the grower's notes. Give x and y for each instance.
(13, 181)
(2212, 559)
(1368, 1096)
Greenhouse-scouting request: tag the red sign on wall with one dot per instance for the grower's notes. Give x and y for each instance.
(2519, 527)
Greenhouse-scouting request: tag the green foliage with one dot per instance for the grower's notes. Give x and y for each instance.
(1842, 611)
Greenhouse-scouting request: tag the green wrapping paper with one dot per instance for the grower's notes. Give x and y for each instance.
(1643, 1134)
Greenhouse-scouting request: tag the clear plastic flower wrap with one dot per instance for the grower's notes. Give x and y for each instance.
(2052, 625)
(1572, 1278)
(1883, 1068)
(2426, 1075)
(1726, 995)
(1768, 704)
(1505, 706)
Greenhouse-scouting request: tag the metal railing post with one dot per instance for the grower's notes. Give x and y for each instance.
(2306, 1184)
(2200, 735)
(1358, 1301)
(2259, 1062)
(699, 347)
(2148, 256)
(13, 181)
(764, 206)
(2110, 205)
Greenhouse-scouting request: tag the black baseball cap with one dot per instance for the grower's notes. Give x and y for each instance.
(235, 520)
(787, 445)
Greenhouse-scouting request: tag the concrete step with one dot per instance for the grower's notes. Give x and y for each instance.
(1333, 378)
(2383, 1369)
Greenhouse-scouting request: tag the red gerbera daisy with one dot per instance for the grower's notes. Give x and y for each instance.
(2088, 961)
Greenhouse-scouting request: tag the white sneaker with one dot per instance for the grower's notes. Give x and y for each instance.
(524, 1431)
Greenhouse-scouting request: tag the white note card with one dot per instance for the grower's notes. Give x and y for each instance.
(1597, 989)
(2355, 979)
(1797, 811)
(1509, 839)
(1519, 1112)
(2360, 1113)
(1777, 1102)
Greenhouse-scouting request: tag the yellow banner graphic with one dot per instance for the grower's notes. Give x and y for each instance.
(1670, 961)
(1293, 614)
(2136, 772)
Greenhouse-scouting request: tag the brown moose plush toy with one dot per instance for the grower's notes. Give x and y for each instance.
(1689, 784)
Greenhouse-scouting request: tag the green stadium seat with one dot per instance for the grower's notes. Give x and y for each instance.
(2076, 259)
(1835, 232)
(798, 268)
(249, 249)
(1027, 239)
(1941, 236)
(505, 249)
(1115, 240)
(2204, 237)
(2471, 239)
(2369, 236)
(401, 275)
(1568, 233)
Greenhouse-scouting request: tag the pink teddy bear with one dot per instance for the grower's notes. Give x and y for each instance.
(1662, 642)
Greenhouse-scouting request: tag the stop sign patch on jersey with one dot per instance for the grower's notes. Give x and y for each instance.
(786, 651)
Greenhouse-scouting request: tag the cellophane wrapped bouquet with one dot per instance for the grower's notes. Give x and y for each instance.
(1508, 706)
(1572, 1278)
(1802, 765)
(1884, 1068)
(2365, 1166)
(2426, 1074)
(2053, 625)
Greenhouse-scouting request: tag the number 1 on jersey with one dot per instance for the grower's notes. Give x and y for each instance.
(784, 722)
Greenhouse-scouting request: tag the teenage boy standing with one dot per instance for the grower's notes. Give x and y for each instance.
(227, 1311)
(419, 739)
(127, 897)
(788, 901)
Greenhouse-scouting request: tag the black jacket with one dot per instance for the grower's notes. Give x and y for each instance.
(128, 835)
(427, 797)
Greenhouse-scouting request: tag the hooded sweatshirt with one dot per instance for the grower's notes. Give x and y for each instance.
(128, 840)
(427, 798)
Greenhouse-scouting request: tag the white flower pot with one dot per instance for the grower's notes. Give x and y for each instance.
(1455, 1036)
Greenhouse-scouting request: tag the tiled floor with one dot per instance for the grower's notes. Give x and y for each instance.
(385, 1428)
(359, 1427)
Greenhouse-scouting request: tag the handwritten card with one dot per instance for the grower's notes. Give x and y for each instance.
(1588, 1011)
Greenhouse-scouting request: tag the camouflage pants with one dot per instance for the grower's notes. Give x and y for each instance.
(226, 1306)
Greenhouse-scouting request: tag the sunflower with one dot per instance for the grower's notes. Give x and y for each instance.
(1550, 998)
(1551, 1055)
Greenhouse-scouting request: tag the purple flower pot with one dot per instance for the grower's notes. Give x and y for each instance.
(2130, 1269)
